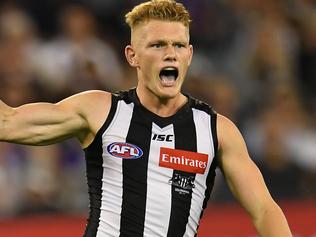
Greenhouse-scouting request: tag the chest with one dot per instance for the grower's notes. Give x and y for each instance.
(171, 151)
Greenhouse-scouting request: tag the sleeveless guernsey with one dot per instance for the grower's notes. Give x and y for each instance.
(150, 176)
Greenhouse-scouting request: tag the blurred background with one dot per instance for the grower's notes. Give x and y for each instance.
(254, 62)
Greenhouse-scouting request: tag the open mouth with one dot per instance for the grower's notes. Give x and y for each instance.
(169, 74)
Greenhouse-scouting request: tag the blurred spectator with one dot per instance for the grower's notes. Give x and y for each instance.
(40, 179)
(29, 176)
(254, 62)
(18, 49)
(12, 171)
(71, 174)
(79, 56)
(305, 17)
(225, 98)
(281, 140)
(218, 91)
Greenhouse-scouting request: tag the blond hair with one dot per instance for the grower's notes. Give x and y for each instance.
(167, 10)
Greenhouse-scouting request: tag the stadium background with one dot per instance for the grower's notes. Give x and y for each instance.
(254, 61)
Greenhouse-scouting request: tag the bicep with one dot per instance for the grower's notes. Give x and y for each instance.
(242, 175)
(42, 123)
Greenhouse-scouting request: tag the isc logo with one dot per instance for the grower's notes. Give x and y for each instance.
(124, 150)
(162, 137)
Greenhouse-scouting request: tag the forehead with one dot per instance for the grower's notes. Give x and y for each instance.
(160, 30)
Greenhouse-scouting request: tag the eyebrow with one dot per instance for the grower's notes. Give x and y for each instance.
(165, 42)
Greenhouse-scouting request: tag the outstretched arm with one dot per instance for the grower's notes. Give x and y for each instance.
(247, 184)
(46, 123)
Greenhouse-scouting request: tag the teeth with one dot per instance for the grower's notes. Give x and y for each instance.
(169, 68)
(168, 75)
(168, 78)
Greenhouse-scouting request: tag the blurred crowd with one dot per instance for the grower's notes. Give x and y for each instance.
(254, 62)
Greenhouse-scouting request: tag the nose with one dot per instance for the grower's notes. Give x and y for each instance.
(170, 54)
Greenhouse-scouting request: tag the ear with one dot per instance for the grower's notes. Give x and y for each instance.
(131, 56)
(191, 54)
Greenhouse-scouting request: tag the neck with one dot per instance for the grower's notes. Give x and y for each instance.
(163, 107)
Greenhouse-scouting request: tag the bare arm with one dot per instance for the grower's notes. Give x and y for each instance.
(247, 184)
(46, 123)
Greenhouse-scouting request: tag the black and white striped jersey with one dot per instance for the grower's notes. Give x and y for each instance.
(148, 175)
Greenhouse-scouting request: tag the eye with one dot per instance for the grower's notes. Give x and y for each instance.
(156, 45)
(180, 45)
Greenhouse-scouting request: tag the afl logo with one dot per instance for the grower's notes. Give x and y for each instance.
(124, 150)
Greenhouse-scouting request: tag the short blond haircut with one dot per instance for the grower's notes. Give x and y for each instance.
(166, 10)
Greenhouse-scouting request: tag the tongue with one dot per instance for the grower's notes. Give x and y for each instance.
(169, 78)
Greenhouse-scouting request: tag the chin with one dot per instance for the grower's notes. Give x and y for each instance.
(168, 94)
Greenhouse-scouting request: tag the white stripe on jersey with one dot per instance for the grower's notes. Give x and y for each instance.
(159, 194)
(203, 130)
(112, 181)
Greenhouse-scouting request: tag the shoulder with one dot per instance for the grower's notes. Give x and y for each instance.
(93, 106)
(93, 95)
(228, 133)
(86, 100)
(224, 124)
(232, 148)
(94, 103)
(201, 105)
